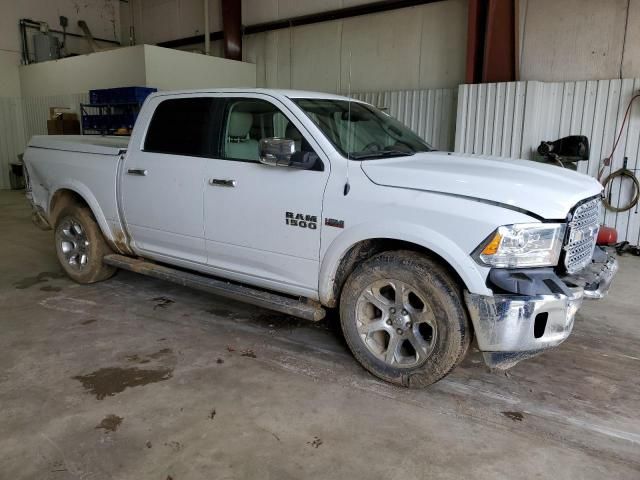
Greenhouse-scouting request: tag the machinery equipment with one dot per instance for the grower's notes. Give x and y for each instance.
(566, 151)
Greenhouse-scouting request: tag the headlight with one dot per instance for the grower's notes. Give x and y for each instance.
(523, 245)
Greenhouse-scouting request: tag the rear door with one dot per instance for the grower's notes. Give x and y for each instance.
(164, 177)
(262, 223)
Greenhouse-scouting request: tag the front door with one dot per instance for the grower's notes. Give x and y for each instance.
(262, 223)
(163, 180)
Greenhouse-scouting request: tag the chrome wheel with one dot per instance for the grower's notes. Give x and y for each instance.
(73, 243)
(396, 323)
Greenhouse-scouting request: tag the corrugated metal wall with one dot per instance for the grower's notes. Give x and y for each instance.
(511, 119)
(36, 110)
(429, 113)
(11, 136)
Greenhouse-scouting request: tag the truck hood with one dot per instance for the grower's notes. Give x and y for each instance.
(547, 191)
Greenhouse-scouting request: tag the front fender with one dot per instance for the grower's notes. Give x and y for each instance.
(472, 274)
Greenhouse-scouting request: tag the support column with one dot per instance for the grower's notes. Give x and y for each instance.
(491, 41)
(232, 29)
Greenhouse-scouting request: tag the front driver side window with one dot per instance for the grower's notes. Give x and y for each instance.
(250, 120)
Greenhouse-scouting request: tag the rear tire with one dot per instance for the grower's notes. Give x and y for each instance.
(81, 246)
(403, 318)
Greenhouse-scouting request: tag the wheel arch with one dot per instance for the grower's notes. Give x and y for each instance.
(65, 195)
(347, 251)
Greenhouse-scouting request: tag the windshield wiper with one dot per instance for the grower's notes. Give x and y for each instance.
(381, 154)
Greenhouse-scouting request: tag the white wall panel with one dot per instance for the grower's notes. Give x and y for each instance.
(123, 67)
(11, 136)
(631, 53)
(511, 119)
(576, 39)
(317, 64)
(384, 47)
(412, 48)
(22, 118)
(429, 113)
(168, 69)
(162, 20)
(260, 11)
(9, 76)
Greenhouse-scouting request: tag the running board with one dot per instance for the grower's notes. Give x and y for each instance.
(302, 308)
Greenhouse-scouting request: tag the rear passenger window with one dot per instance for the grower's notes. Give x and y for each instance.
(182, 126)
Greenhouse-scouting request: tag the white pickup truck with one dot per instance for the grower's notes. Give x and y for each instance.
(301, 202)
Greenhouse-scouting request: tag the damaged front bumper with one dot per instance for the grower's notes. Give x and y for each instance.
(514, 326)
(596, 278)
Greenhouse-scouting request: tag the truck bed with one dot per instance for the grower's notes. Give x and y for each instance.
(108, 145)
(86, 165)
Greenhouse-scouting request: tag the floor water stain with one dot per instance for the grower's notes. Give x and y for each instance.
(277, 321)
(515, 416)
(136, 358)
(110, 423)
(50, 288)
(162, 302)
(316, 442)
(248, 353)
(40, 278)
(160, 353)
(112, 380)
(220, 312)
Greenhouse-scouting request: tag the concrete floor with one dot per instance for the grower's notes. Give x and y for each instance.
(138, 379)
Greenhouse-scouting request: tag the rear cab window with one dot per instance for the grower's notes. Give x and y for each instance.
(183, 126)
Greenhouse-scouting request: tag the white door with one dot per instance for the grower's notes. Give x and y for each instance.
(163, 180)
(262, 223)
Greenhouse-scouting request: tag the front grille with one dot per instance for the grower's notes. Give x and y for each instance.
(582, 235)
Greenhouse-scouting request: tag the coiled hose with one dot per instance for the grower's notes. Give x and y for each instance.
(608, 181)
(620, 173)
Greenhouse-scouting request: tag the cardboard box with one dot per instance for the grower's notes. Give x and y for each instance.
(55, 111)
(63, 125)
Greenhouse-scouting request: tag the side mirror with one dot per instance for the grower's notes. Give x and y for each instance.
(276, 152)
(281, 152)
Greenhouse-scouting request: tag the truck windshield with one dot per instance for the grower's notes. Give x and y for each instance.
(361, 132)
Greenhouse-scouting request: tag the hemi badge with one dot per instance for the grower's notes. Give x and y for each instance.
(332, 222)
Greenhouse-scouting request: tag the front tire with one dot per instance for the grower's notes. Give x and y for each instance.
(403, 318)
(80, 245)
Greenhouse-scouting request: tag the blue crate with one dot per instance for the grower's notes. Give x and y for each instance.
(108, 118)
(120, 95)
(93, 122)
(96, 97)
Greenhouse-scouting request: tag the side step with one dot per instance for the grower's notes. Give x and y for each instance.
(306, 309)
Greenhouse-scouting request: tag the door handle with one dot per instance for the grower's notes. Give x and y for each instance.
(137, 171)
(219, 182)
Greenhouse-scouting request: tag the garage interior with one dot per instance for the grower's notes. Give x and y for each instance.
(140, 378)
